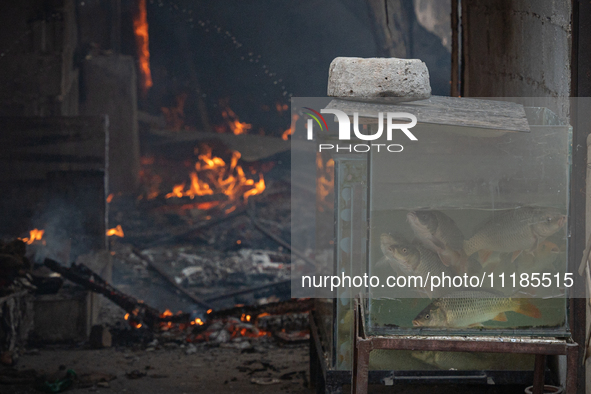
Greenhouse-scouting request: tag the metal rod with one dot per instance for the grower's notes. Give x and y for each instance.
(539, 369)
(361, 351)
(245, 291)
(585, 258)
(455, 49)
(572, 368)
(483, 376)
(199, 226)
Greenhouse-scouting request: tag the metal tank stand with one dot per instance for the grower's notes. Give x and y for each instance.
(541, 347)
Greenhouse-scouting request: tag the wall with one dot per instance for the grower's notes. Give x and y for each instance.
(109, 87)
(518, 48)
(412, 30)
(38, 76)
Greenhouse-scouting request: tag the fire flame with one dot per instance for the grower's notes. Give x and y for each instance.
(213, 175)
(291, 129)
(117, 231)
(247, 326)
(34, 235)
(232, 122)
(140, 28)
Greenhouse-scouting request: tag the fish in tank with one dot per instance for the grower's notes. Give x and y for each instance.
(497, 243)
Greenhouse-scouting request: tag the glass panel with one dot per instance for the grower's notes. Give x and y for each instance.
(485, 203)
(408, 360)
(351, 203)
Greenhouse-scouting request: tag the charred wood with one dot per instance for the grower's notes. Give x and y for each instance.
(138, 311)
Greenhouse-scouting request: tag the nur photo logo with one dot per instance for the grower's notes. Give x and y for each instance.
(389, 125)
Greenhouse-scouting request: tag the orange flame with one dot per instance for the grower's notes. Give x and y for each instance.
(34, 235)
(259, 187)
(324, 181)
(117, 231)
(109, 198)
(140, 28)
(213, 175)
(291, 129)
(232, 121)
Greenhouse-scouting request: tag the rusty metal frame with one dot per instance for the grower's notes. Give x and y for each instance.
(330, 381)
(580, 87)
(541, 347)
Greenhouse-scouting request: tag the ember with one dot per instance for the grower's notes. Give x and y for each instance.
(34, 235)
(117, 231)
(281, 107)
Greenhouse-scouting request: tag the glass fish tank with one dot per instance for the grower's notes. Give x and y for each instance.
(463, 231)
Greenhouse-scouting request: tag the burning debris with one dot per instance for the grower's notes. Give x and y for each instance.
(214, 183)
(139, 313)
(220, 326)
(34, 235)
(232, 123)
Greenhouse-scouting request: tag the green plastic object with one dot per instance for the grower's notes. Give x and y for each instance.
(60, 385)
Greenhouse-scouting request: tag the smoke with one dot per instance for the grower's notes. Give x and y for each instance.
(65, 234)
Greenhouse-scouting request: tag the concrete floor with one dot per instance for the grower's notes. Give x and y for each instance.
(172, 371)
